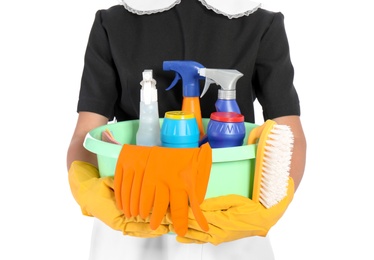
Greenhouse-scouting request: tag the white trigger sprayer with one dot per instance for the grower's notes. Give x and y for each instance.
(226, 79)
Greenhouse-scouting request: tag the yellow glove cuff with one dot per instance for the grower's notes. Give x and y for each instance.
(96, 198)
(234, 217)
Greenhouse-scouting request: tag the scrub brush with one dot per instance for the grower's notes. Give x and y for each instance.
(273, 160)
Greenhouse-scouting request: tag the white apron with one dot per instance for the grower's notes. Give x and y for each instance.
(108, 244)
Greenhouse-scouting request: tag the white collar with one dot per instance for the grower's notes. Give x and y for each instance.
(142, 7)
(229, 8)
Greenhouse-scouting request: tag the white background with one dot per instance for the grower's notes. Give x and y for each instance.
(41, 58)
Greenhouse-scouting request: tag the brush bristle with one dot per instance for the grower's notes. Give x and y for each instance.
(276, 165)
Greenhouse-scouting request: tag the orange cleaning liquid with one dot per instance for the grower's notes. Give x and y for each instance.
(192, 104)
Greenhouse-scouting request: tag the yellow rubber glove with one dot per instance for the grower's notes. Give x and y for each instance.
(176, 177)
(95, 196)
(234, 217)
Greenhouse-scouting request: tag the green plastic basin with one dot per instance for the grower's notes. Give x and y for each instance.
(232, 169)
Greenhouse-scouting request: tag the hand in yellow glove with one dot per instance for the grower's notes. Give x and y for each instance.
(128, 177)
(96, 198)
(234, 217)
(175, 177)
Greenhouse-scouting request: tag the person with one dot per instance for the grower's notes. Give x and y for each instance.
(132, 36)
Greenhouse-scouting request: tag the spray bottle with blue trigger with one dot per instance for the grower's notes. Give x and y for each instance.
(187, 71)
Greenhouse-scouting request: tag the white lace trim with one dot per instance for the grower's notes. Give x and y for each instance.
(231, 9)
(140, 7)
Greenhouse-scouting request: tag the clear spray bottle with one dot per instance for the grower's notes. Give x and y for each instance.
(148, 133)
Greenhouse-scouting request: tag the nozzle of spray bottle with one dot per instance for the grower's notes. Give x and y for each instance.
(148, 91)
(226, 79)
(187, 72)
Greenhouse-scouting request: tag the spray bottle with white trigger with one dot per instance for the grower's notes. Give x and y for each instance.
(227, 109)
(226, 79)
(148, 133)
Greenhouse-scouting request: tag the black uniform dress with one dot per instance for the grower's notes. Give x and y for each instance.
(123, 44)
